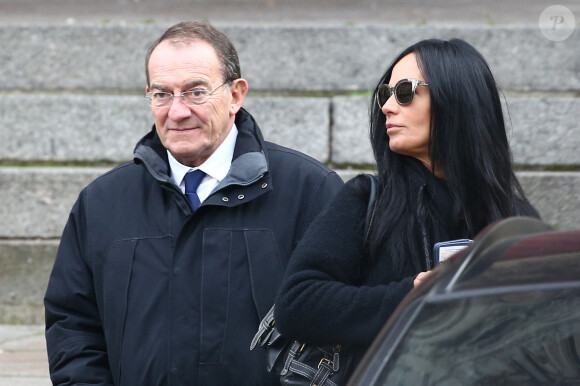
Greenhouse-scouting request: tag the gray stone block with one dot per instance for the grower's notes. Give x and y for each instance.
(274, 57)
(72, 127)
(26, 267)
(106, 128)
(556, 195)
(353, 58)
(542, 131)
(545, 131)
(36, 201)
(350, 132)
(74, 57)
(299, 123)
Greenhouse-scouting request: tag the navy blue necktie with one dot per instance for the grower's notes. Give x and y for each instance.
(192, 181)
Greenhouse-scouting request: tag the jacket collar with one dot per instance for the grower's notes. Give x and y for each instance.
(426, 188)
(249, 163)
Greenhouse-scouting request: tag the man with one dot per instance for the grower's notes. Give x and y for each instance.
(152, 286)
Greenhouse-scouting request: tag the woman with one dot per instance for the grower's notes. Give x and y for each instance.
(444, 172)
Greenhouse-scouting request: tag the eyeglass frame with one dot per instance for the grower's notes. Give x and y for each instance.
(393, 90)
(207, 95)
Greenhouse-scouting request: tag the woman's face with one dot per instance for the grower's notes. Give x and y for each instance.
(408, 126)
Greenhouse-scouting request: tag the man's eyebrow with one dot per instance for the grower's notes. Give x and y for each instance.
(159, 87)
(195, 83)
(187, 86)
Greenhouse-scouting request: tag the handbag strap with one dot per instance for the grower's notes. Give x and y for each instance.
(372, 204)
(265, 330)
(317, 376)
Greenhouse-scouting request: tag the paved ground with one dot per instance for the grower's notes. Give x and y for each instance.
(23, 360)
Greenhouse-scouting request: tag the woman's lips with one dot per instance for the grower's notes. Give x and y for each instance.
(392, 127)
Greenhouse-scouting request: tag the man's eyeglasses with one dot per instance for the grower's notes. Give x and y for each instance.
(404, 91)
(197, 96)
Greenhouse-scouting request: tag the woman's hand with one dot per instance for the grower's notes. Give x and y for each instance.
(420, 277)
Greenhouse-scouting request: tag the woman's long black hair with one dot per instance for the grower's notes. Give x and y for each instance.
(468, 144)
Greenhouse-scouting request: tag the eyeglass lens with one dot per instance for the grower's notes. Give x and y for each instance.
(403, 93)
(190, 98)
(161, 99)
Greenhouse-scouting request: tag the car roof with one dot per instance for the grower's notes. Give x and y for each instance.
(518, 251)
(518, 254)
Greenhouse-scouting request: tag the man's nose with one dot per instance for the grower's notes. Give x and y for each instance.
(178, 110)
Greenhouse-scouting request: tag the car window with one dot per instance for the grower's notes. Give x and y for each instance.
(524, 337)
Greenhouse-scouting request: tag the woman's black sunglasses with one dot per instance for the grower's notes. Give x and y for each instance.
(404, 91)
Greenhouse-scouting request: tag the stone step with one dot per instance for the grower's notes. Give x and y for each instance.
(106, 128)
(26, 267)
(110, 59)
(36, 203)
(543, 131)
(309, 89)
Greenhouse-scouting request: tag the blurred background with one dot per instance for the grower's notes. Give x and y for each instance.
(72, 107)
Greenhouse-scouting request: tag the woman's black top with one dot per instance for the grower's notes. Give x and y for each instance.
(330, 294)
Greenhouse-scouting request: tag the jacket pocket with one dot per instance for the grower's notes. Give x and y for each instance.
(265, 269)
(240, 275)
(135, 279)
(116, 281)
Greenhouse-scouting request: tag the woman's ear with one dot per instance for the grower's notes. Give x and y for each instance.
(239, 89)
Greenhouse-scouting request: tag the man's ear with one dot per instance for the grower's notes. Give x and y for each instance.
(239, 89)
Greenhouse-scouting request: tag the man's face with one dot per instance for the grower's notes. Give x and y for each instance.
(191, 133)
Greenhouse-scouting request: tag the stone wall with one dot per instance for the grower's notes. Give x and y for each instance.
(72, 106)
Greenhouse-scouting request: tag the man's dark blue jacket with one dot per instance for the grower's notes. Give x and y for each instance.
(144, 291)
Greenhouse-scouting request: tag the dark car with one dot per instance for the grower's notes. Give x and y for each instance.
(504, 311)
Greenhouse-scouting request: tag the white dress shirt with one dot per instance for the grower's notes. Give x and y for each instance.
(216, 167)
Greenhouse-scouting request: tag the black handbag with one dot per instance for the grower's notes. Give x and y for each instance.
(299, 363)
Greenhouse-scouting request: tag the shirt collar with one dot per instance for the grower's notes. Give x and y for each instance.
(216, 166)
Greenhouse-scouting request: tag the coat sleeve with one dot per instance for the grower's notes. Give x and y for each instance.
(76, 346)
(320, 300)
